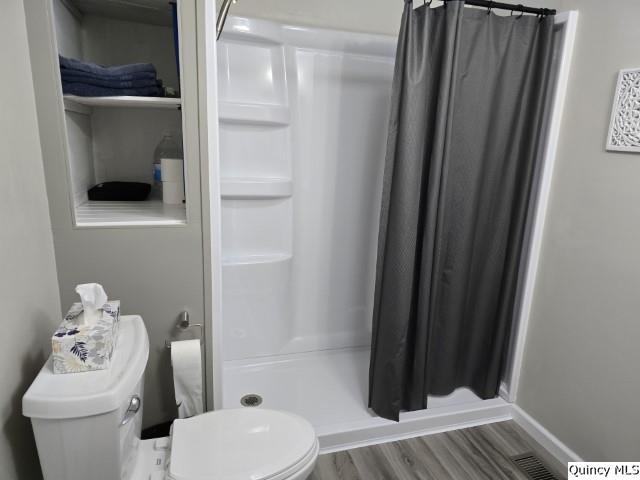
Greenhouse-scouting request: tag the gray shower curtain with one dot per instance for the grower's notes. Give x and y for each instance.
(467, 111)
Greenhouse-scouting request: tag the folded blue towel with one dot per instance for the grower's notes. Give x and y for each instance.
(109, 83)
(102, 71)
(79, 76)
(84, 90)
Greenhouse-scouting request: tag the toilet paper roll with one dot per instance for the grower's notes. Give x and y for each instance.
(186, 361)
(172, 169)
(173, 192)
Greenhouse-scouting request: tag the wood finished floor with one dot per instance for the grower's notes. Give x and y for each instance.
(478, 453)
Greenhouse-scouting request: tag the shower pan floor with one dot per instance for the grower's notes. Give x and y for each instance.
(329, 388)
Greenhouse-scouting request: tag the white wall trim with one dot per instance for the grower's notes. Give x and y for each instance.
(570, 20)
(210, 192)
(544, 437)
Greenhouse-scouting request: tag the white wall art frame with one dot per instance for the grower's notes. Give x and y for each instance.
(624, 130)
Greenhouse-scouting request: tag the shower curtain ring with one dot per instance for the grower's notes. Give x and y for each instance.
(489, 7)
(521, 7)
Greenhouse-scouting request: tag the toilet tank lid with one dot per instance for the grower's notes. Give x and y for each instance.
(74, 395)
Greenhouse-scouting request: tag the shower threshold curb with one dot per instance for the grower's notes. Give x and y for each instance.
(412, 424)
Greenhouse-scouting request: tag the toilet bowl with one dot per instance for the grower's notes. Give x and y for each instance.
(88, 425)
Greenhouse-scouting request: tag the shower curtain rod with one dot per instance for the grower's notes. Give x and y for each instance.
(508, 6)
(222, 17)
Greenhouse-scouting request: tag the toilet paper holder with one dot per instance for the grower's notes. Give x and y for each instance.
(183, 325)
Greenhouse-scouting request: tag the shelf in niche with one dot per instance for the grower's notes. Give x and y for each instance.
(255, 188)
(253, 113)
(76, 103)
(129, 214)
(261, 259)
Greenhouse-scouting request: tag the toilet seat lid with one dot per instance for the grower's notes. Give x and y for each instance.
(239, 444)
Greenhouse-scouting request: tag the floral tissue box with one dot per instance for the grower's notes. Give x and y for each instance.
(81, 348)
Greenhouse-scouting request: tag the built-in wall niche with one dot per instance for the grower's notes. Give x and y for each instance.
(113, 138)
(118, 144)
(118, 33)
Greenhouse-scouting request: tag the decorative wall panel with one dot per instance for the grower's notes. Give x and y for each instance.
(624, 131)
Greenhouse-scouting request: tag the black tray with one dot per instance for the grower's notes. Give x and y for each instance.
(120, 192)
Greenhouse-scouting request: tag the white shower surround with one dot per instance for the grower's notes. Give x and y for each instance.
(303, 120)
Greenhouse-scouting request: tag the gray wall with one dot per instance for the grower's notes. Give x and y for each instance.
(155, 272)
(580, 377)
(28, 285)
(372, 16)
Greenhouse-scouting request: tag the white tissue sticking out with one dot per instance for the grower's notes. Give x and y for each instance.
(93, 298)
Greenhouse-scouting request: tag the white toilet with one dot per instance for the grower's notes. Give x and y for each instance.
(87, 426)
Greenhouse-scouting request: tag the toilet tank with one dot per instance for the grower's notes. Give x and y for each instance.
(87, 425)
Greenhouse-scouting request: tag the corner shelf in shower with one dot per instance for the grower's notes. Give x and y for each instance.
(255, 188)
(130, 214)
(258, 259)
(253, 113)
(75, 103)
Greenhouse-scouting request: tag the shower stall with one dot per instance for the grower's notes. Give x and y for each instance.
(303, 116)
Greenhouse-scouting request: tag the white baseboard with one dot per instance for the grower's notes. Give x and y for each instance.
(561, 452)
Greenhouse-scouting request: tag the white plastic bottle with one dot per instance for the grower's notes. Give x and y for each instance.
(169, 147)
